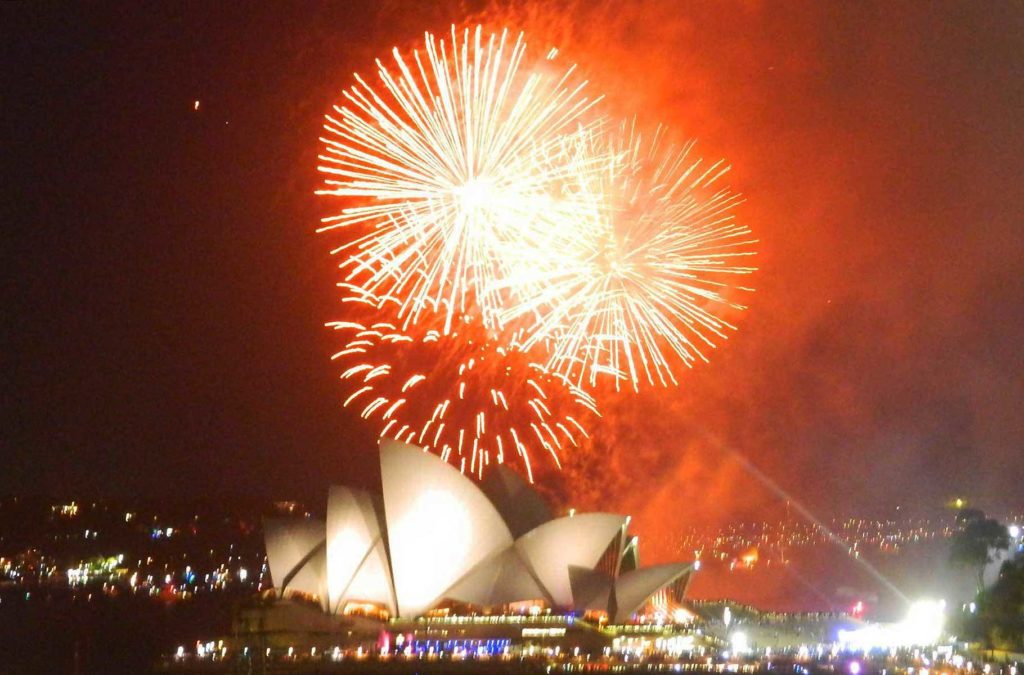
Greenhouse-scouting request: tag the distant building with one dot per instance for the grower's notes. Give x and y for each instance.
(435, 543)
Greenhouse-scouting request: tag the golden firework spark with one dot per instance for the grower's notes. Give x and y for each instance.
(454, 167)
(645, 272)
(504, 250)
(467, 397)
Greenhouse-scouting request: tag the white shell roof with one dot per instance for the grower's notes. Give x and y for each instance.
(503, 578)
(632, 589)
(357, 562)
(591, 589)
(578, 540)
(516, 500)
(295, 555)
(440, 525)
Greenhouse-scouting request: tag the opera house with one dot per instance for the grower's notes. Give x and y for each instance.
(435, 543)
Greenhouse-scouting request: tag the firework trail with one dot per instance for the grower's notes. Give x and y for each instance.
(640, 283)
(470, 398)
(456, 161)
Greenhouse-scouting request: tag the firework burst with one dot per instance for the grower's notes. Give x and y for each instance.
(647, 281)
(454, 165)
(505, 251)
(470, 398)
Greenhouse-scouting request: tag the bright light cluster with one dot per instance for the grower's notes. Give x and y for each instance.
(922, 626)
(484, 194)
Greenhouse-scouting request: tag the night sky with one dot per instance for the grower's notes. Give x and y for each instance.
(164, 293)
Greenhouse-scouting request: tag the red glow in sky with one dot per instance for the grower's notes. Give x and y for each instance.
(166, 294)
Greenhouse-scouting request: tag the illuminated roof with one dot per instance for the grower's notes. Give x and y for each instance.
(501, 579)
(518, 503)
(292, 545)
(572, 541)
(439, 524)
(434, 535)
(633, 589)
(357, 560)
(591, 589)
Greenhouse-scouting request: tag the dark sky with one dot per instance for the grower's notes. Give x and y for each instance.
(164, 294)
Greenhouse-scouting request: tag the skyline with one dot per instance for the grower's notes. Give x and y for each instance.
(167, 296)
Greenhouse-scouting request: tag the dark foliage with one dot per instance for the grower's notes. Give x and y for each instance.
(976, 545)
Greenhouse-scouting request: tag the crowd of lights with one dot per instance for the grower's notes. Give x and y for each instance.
(675, 648)
(744, 546)
(144, 554)
(483, 188)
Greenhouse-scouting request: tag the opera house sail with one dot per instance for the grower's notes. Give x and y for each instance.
(434, 536)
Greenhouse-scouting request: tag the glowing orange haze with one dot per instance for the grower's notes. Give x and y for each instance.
(859, 142)
(857, 137)
(624, 455)
(475, 193)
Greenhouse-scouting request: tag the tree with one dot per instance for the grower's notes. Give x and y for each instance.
(997, 616)
(1006, 606)
(978, 542)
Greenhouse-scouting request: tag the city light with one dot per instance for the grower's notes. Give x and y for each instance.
(922, 626)
(740, 643)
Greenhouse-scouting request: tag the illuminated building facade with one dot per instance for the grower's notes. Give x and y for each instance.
(433, 540)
